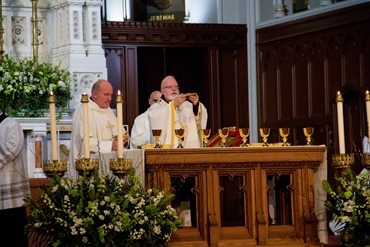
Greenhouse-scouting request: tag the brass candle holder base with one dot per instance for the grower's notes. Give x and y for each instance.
(120, 167)
(87, 166)
(343, 161)
(366, 160)
(53, 167)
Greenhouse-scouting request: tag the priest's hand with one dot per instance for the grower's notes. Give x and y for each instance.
(179, 100)
(194, 98)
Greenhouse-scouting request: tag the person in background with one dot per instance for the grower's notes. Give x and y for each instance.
(102, 126)
(178, 111)
(14, 183)
(140, 133)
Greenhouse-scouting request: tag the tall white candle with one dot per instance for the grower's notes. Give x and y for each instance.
(86, 136)
(367, 98)
(342, 147)
(119, 126)
(53, 127)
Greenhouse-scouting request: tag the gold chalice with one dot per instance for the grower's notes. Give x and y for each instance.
(54, 167)
(265, 132)
(244, 133)
(308, 132)
(180, 133)
(157, 134)
(205, 133)
(223, 133)
(284, 132)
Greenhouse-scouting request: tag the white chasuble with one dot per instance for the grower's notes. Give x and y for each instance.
(165, 116)
(102, 129)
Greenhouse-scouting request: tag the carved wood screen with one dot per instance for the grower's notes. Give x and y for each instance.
(206, 58)
(301, 66)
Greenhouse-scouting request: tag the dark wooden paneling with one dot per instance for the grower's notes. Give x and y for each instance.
(318, 56)
(209, 59)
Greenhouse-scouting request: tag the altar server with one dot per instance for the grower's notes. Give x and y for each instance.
(176, 111)
(14, 184)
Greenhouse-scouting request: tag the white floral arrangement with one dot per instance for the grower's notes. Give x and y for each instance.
(25, 86)
(349, 202)
(101, 210)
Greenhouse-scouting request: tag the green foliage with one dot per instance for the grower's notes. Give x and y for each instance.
(350, 204)
(26, 85)
(101, 211)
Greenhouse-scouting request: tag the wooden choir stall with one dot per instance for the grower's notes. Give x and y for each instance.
(242, 196)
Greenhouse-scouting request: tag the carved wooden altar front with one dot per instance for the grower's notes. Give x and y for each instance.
(241, 196)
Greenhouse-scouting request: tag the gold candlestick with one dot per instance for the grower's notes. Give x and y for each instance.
(265, 132)
(343, 161)
(87, 166)
(244, 133)
(54, 167)
(120, 167)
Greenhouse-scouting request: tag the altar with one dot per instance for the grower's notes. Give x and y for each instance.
(244, 196)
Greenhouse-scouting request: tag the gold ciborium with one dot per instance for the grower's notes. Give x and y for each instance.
(284, 133)
(157, 134)
(88, 166)
(54, 167)
(120, 167)
(244, 133)
(205, 133)
(308, 132)
(180, 133)
(264, 132)
(223, 133)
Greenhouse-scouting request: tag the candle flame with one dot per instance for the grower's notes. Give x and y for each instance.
(51, 93)
(119, 92)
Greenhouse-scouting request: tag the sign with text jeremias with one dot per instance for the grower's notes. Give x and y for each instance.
(165, 10)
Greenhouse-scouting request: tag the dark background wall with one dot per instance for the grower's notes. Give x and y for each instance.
(209, 59)
(301, 66)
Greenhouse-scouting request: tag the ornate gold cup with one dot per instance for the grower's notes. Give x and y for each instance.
(157, 134)
(223, 133)
(205, 133)
(308, 132)
(87, 166)
(244, 133)
(180, 133)
(284, 133)
(54, 167)
(265, 132)
(120, 167)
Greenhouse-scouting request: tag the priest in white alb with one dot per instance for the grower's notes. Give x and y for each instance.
(178, 111)
(102, 125)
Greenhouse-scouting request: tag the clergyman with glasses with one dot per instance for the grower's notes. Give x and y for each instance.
(178, 111)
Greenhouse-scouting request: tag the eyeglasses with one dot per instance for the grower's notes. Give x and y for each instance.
(171, 87)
